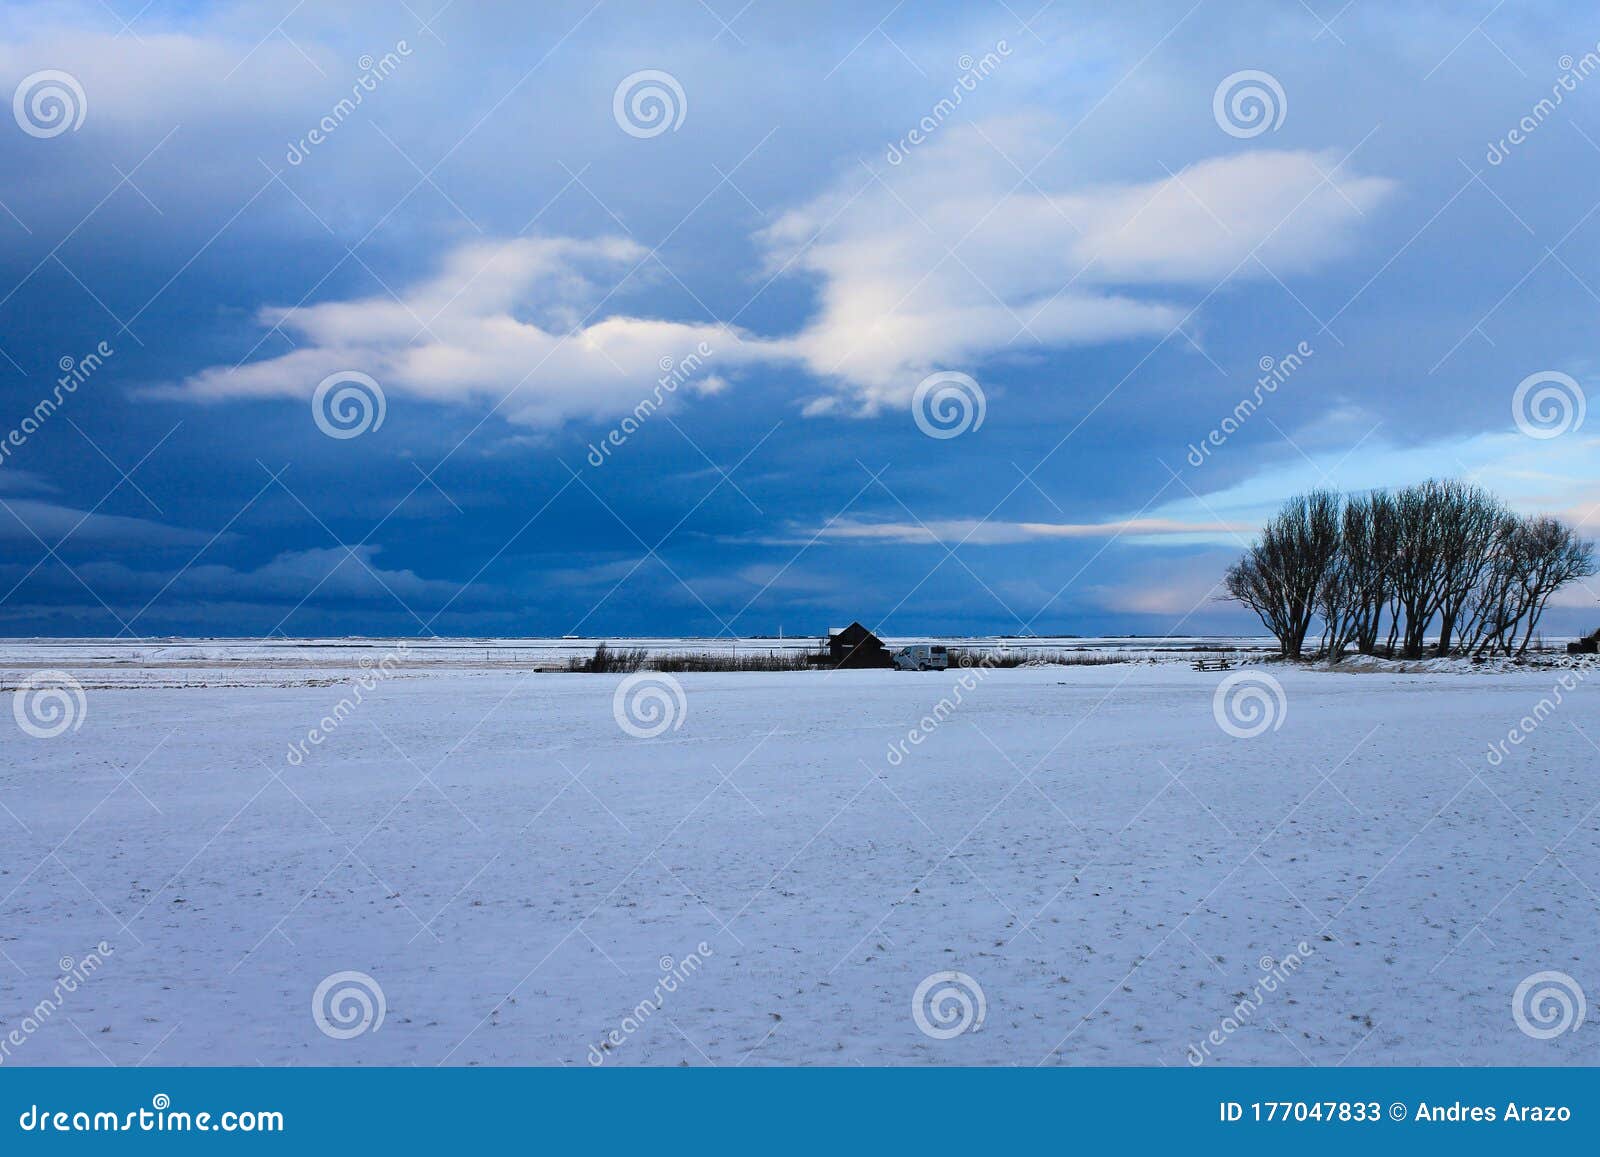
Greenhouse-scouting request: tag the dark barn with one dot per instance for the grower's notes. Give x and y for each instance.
(856, 647)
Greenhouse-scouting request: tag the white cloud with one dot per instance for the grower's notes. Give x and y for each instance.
(500, 320)
(943, 263)
(163, 78)
(988, 533)
(952, 257)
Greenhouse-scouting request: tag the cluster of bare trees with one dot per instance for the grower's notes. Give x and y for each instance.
(1384, 570)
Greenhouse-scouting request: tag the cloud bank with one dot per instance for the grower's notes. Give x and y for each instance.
(950, 261)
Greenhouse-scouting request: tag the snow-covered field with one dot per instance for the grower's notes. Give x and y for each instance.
(517, 873)
(159, 659)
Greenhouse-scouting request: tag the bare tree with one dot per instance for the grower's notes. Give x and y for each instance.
(1369, 536)
(1533, 558)
(1415, 566)
(1466, 520)
(1339, 605)
(1282, 573)
(1555, 556)
(1443, 553)
(1493, 610)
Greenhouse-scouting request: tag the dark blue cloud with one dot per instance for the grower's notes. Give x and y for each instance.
(191, 203)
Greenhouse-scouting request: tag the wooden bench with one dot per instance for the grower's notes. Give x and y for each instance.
(1219, 663)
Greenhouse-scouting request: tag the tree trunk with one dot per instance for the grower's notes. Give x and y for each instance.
(1447, 626)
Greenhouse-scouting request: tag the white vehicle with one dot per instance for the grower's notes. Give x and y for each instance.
(922, 657)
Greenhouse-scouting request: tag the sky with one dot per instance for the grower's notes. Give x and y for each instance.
(418, 317)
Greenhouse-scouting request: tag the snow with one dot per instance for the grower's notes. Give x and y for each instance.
(510, 866)
(189, 654)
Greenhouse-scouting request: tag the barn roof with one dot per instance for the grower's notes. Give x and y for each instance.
(855, 632)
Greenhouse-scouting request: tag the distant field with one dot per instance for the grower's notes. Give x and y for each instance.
(21, 654)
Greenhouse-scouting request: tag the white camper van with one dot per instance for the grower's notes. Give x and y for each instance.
(922, 657)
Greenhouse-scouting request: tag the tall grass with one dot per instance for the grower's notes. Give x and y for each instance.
(606, 661)
(627, 660)
(717, 661)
